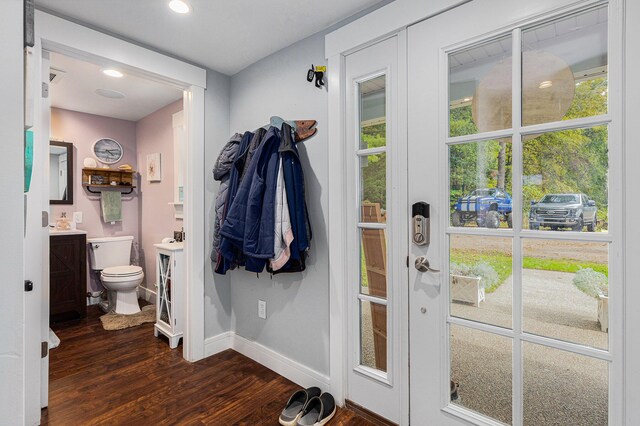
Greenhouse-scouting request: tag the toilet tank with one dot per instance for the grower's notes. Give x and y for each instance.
(105, 252)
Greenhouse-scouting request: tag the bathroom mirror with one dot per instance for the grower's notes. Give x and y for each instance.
(60, 172)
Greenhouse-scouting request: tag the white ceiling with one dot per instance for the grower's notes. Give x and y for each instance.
(223, 35)
(76, 91)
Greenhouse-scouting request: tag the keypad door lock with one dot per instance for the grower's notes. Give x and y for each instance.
(421, 224)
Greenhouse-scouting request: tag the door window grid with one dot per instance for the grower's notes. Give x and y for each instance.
(517, 132)
(372, 220)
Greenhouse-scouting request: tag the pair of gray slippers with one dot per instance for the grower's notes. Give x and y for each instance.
(308, 407)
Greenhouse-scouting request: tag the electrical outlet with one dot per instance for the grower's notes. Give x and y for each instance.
(77, 217)
(262, 309)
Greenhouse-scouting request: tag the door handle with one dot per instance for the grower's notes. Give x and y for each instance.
(422, 265)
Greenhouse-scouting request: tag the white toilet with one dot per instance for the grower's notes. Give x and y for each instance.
(110, 256)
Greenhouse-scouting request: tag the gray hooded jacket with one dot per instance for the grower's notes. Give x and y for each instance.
(221, 173)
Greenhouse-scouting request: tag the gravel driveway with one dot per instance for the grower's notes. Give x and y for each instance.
(560, 388)
(541, 249)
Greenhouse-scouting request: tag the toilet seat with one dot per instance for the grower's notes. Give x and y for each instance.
(122, 271)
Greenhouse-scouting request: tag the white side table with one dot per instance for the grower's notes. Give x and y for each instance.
(169, 292)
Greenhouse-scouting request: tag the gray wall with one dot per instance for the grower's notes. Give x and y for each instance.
(217, 308)
(297, 324)
(11, 187)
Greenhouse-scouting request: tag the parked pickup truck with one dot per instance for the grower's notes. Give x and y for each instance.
(487, 207)
(564, 211)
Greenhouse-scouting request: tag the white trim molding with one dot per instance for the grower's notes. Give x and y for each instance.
(383, 22)
(194, 224)
(337, 229)
(72, 39)
(220, 343)
(630, 10)
(286, 367)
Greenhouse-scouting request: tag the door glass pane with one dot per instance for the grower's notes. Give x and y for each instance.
(565, 183)
(373, 188)
(480, 279)
(373, 112)
(565, 290)
(564, 68)
(481, 370)
(480, 184)
(480, 88)
(563, 388)
(373, 262)
(373, 335)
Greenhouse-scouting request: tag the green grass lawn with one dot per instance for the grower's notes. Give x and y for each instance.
(503, 264)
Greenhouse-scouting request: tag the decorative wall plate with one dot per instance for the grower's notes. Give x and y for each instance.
(90, 163)
(108, 151)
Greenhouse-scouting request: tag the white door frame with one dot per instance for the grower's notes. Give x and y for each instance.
(383, 392)
(58, 35)
(391, 19)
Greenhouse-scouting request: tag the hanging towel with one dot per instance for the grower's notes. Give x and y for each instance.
(111, 202)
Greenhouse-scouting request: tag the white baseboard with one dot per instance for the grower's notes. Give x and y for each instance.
(286, 367)
(219, 343)
(146, 294)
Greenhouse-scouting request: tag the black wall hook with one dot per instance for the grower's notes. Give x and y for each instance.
(318, 74)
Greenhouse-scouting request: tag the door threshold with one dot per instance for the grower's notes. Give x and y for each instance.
(374, 418)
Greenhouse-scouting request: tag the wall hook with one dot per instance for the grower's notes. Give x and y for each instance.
(318, 74)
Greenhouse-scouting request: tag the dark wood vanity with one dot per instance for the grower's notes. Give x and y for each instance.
(68, 276)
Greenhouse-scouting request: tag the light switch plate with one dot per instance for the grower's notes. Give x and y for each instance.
(77, 217)
(262, 309)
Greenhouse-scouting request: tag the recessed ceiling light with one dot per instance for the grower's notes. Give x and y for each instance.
(111, 94)
(180, 6)
(112, 73)
(545, 84)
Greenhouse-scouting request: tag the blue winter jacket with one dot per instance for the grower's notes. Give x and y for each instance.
(224, 263)
(249, 224)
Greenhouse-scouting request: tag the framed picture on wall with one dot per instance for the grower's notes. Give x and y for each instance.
(154, 167)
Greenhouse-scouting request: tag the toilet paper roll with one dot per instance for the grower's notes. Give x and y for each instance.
(168, 240)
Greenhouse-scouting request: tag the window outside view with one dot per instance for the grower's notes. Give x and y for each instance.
(564, 282)
(373, 218)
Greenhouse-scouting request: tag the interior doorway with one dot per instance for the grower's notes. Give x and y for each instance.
(59, 36)
(121, 127)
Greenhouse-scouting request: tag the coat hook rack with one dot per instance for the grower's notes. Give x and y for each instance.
(302, 129)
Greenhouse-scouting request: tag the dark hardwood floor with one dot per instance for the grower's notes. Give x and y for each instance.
(129, 377)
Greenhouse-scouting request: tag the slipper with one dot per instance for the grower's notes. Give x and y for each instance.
(294, 408)
(318, 411)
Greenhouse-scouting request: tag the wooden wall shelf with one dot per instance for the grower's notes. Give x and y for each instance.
(102, 178)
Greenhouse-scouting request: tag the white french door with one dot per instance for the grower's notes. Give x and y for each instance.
(375, 153)
(515, 139)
